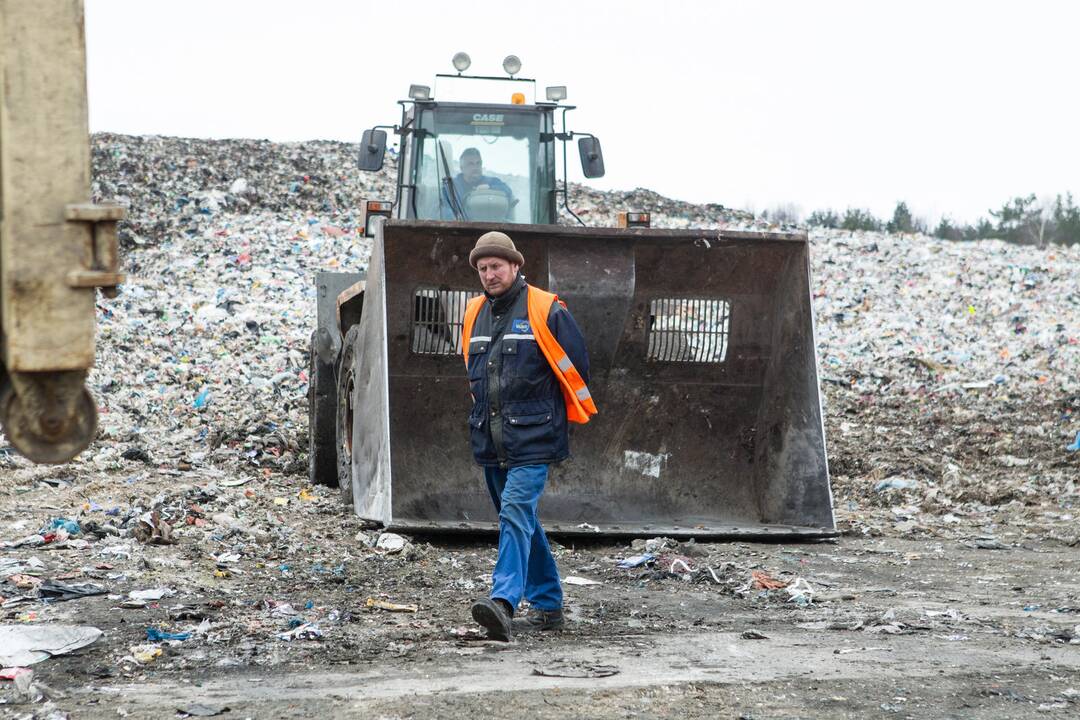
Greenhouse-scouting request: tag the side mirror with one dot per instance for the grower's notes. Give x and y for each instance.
(592, 158)
(372, 150)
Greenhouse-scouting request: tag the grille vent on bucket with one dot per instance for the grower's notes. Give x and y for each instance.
(688, 330)
(438, 317)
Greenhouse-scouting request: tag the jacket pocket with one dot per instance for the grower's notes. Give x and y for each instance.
(477, 361)
(479, 438)
(527, 436)
(526, 372)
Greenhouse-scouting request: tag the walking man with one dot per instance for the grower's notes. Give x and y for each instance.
(528, 373)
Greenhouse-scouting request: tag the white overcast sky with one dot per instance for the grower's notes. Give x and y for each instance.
(952, 106)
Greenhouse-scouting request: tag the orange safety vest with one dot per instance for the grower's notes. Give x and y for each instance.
(579, 402)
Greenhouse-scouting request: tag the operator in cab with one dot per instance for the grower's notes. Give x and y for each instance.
(528, 372)
(477, 196)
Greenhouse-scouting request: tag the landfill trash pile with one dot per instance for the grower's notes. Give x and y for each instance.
(188, 534)
(969, 350)
(948, 369)
(601, 208)
(177, 187)
(951, 378)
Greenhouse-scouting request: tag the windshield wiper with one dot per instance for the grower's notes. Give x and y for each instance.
(448, 185)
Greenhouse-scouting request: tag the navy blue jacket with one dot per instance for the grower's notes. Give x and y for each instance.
(519, 415)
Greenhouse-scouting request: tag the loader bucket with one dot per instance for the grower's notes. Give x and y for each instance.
(703, 369)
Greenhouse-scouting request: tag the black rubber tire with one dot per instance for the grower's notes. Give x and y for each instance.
(345, 412)
(322, 418)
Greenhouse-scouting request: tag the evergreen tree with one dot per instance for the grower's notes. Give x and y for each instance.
(1066, 220)
(856, 219)
(824, 219)
(1018, 220)
(947, 231)
(901, 220)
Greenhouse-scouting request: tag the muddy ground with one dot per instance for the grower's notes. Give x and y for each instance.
(956, 621)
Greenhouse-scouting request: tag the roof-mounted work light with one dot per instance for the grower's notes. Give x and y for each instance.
(420, 92)
(555, 93)
(462, 61)
(512, 65)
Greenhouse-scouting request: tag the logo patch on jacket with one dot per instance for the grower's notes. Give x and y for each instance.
(520, 326)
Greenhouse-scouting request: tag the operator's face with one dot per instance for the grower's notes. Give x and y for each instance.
(471, 168)
(496, 274)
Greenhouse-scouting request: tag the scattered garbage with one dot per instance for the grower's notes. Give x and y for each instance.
(762, 580)
(654, 546)
(305, 631)
(151, 594)
(69, 526)
(202, 710)
(390, 607)
(144, 654)
(22, 645)
(989, 543)
(800, 592)
(1075, 444)
(155, 635)
(636, 560)
(575, 669)
(1013, 462)
(578, 580)
(391, 543)
(753, 635)
(153, 530)
(895, 483)
(680, 567)
(56, 591)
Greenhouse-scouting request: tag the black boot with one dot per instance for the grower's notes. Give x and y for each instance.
(494, 615)
(537, 619)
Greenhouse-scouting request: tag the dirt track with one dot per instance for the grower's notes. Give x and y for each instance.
(898, 627)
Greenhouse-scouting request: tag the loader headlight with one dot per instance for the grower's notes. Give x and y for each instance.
(462, 61)
(420, 92)
(634, 219)
(374, 209)
(555, 93)
(512, 64)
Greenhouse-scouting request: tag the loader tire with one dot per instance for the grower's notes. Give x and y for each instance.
(345, 412)
(322, 417)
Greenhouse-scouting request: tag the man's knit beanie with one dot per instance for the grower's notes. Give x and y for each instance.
(495, 244)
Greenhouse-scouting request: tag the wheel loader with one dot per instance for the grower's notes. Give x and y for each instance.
(56, 247)
(701, 342)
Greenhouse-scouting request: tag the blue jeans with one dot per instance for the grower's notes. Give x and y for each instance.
(525, 565)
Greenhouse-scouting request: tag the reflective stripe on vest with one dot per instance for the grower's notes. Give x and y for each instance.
(472, 311)
(579, 402)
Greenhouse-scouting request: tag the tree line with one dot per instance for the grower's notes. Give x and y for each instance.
(1023, 220)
